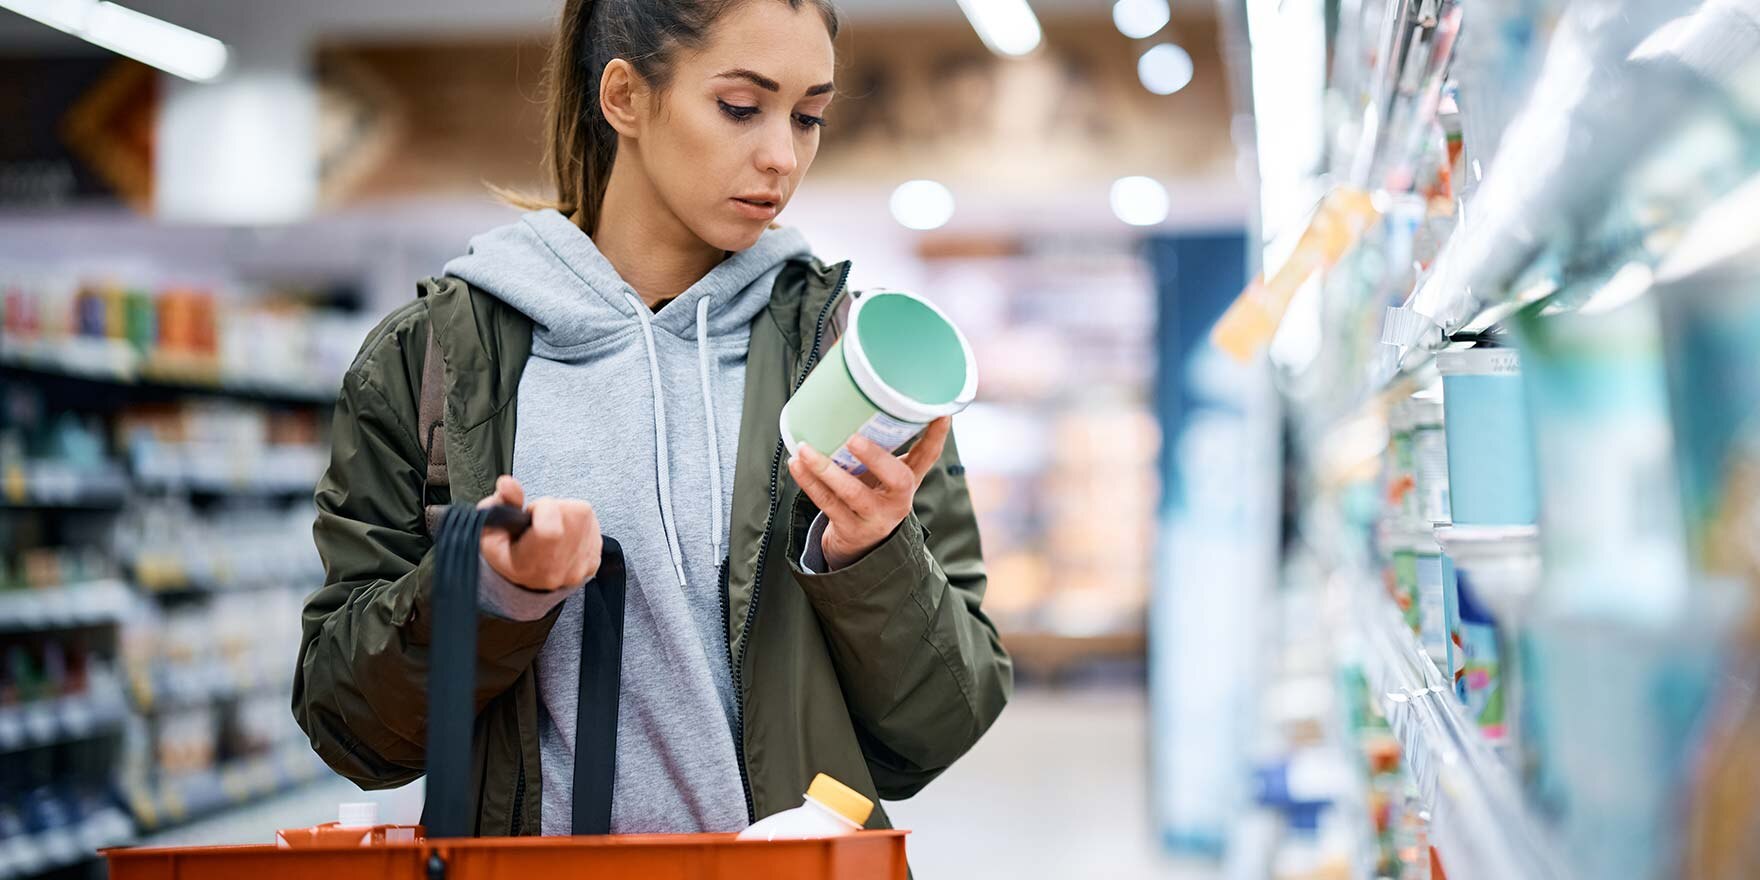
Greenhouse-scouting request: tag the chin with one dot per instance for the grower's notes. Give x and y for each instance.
(735, 236)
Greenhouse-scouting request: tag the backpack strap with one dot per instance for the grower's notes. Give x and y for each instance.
(431, 428)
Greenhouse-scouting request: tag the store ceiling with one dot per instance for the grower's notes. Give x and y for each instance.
(253, 22)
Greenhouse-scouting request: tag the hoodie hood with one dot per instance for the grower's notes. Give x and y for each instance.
(550, 271)
(585, 316)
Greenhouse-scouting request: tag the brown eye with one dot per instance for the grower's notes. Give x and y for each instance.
(736, 112)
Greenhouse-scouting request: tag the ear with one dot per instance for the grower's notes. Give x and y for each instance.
(622, 97)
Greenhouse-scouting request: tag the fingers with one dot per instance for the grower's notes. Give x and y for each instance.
(497, 550)
(848, 488)
(562, 548)
(507, 491)
(802, 467)
(584, 522)
(891, 473)
(922, 457)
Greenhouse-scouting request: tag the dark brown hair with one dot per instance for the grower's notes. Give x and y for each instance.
(647, 34)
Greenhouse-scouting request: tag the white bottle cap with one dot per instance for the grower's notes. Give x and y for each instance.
(361, 814)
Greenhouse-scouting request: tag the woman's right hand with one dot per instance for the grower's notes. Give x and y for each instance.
(560, 550)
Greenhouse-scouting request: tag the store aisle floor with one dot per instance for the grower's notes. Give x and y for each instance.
(1057, 789)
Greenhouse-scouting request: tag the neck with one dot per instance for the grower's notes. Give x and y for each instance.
(647, 244)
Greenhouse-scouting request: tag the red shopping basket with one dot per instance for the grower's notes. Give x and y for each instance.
(449, 853)
(866, 855)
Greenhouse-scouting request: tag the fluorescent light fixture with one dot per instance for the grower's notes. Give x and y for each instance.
(1008, 27)
(922, 205)
(1139, 19)
(1139, 201)
(176, 50)
(1165, 69)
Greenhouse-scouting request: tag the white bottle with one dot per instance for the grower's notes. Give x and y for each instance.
(832, 809)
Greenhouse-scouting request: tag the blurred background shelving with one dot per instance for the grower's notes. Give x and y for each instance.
(161, 447)
(1364, 453)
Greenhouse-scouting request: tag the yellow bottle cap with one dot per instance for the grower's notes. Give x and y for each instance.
(840, 799)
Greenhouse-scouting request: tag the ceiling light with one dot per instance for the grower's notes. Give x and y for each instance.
(922, 205)
(1139, 201)
(1008, 27)
(1165, 69)
(1138, 19)
(176, 50)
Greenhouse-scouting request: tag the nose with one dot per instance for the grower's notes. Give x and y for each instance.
(776, 153)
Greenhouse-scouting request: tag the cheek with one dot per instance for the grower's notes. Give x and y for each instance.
(695, 154)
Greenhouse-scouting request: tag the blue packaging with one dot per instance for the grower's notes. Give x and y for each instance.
(1491, 477)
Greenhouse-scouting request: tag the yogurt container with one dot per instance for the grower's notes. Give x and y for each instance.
(900, 365)
(1491, 478)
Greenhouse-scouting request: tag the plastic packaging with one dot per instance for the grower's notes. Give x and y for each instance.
(1429, 458)
(1480, 686)
(357, 824)
(901, 365)
(1490, 454)
(832, 809)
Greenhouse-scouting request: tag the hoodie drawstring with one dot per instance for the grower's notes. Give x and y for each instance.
(662, 452)
(708, 373)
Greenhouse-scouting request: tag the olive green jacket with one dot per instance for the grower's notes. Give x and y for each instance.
(880, 674)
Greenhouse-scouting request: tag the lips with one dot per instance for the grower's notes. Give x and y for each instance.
(757, 207)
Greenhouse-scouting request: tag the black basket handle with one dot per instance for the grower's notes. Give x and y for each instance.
(451, 808)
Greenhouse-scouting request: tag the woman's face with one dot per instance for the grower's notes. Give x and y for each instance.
(740, 121)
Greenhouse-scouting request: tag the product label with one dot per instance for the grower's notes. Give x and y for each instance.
(1482, 684)
(885, 432)
(1432, 615)
(1430, 464)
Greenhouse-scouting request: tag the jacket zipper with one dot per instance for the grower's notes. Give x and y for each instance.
(519, 797)
(739, 696)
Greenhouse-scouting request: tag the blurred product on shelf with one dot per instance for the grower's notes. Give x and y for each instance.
(210, 683)
(224, 336)
(168, 545)
(223, 447)
(1489, 459)
(1710, 308)
(53, 461)
(1061, 444)
(1568, 656)
(205, 654)
(56, 688)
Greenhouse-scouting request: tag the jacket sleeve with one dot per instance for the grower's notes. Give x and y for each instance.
(921, 666)
(360, 690)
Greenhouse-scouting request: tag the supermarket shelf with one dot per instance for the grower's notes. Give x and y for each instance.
(101, 371)
(232, 571)
(160, 691)
(177, 801)
(60, 720)
(39, 490)
(67, 607)
(1479, 823)
(32, 854)
(228, 484)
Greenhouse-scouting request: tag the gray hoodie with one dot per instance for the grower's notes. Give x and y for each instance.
(638, 413)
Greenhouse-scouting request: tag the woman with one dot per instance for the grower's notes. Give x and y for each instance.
(622, 359)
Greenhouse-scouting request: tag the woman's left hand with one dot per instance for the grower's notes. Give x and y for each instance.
(861, 512)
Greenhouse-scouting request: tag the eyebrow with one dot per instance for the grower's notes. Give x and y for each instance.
(768, 84)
